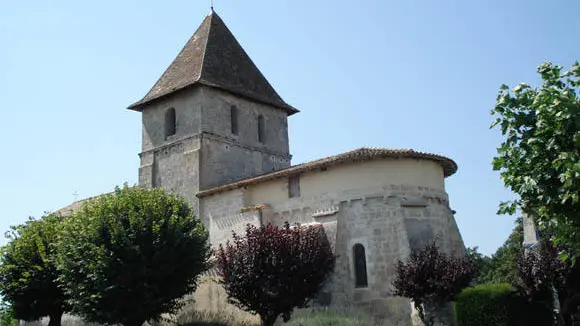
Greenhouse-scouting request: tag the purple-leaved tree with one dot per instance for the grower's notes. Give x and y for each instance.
(273, 270)
(431, 279)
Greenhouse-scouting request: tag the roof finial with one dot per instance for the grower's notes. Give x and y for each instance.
(211, 5)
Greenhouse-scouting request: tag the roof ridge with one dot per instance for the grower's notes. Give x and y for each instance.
(202, 68)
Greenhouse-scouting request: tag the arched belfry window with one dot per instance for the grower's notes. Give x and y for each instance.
(261, 129)
(170, 122)
(360, 265)
(234, 119)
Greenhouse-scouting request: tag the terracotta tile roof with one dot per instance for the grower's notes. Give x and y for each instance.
(75, 206)
(358, 155)
(213, 57)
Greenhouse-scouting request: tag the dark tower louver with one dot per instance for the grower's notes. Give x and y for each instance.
(213, 57)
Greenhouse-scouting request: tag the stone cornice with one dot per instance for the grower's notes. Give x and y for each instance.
(171, 144)
(217, 137)
(233, 142)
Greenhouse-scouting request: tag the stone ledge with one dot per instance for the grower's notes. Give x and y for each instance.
(326, 212)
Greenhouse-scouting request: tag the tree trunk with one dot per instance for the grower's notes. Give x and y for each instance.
(268, 320)
(55, 318)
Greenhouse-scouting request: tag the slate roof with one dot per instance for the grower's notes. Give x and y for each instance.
(213, 57)
(357, 155)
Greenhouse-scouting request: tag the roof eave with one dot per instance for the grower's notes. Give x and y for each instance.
(448, 165)
(138, 106)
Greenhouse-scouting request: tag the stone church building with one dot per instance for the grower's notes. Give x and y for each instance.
(216, 132)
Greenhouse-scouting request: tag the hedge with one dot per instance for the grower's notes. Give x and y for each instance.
(498, 304)
(484, 305)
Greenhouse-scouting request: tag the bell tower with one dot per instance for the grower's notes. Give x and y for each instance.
(212, 118)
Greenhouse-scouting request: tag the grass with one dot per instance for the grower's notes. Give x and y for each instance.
(314, 317)
(325, 317)
(222, 317)
(190, 316)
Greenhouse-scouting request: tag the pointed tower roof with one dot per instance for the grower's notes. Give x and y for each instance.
(213, 57)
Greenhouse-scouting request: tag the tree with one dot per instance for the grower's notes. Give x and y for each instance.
(28, 273)
(502, 264)
(7, 315)
(273, 270)
(529, 274)
(539, 159)
(481, 263)
(129, 256)
(432, 279)
(539, 270)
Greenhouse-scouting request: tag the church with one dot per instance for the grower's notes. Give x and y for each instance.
(216, 132)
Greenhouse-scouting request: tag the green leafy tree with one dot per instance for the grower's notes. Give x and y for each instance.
(502, 267)
(272, 270)
(129, 256)
(481, 263)
(28, 273)
(539, 158)
(7, 317)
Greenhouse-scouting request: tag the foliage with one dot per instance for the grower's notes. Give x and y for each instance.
(272, 270)
(498, 304)
(481, 264)
(539, 158)
(484, 305)
(569, 293)
(129, 256)
(502, 266)
(431, 279)
(28, 273)
(7, 317)
(539, 270)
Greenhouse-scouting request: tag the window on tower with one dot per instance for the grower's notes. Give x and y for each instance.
(234, 119)
(261, 129)
(170, 122)
(360, 266)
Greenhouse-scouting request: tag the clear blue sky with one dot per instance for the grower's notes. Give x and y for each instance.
(398, 74)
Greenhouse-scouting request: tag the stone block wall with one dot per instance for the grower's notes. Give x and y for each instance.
(225, 161)
(204, 152)
(175, 167)
(389, 220)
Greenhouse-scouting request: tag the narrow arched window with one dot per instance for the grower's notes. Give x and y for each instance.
(234, 119)
(261, 129)
(170, 122)
(360, 266)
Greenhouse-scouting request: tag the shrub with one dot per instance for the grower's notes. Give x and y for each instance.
(499, 304)
(484, 305)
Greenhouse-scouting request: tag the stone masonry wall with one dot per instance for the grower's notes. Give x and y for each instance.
(227, 157)
(204, 152)
(217, 166)
(387, 219)
(175, 167)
